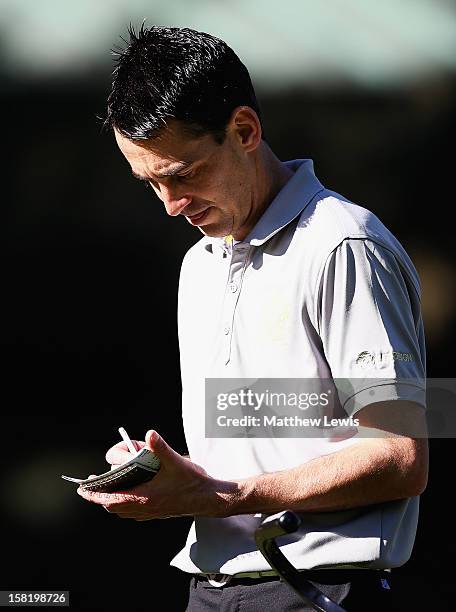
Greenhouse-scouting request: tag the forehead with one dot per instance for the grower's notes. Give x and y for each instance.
(171, 148)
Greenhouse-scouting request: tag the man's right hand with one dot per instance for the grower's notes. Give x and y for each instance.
(119, 453)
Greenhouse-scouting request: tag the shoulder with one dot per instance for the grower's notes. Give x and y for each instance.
(331, 221)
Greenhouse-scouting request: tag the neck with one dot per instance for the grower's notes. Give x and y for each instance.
(270, 176)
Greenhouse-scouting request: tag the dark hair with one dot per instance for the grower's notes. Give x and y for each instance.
(176, 73)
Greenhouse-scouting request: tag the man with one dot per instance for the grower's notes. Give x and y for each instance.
(290, 281)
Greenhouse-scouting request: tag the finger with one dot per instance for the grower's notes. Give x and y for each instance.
(111, 500)
(120, 454)
(158, 446)
(96, 498)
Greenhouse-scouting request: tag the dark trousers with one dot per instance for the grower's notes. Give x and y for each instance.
(364, 594)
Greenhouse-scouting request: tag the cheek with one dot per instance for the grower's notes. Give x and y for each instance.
(207, 192)
(226, 193)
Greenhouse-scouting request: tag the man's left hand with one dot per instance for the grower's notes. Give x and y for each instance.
(180, 488)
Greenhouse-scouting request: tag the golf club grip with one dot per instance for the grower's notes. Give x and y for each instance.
(264, 538)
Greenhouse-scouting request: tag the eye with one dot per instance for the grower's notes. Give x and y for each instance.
(187, 176)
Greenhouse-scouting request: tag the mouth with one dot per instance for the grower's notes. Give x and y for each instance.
(198, 218)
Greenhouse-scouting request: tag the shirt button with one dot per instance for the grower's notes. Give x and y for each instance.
(226, 330)
(233, 287)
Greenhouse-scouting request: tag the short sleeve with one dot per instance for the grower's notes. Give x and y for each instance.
(371, 326)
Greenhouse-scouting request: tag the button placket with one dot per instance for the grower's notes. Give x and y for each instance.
(233, 289)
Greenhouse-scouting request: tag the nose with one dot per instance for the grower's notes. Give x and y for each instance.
(174, 201)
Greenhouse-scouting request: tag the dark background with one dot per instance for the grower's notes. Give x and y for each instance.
(90, 265)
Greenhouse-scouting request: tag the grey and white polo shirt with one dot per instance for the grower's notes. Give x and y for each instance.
(320, 288)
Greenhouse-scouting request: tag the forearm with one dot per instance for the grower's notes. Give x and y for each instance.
(369, 472)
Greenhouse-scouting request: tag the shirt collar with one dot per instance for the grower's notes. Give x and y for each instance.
(291, 200)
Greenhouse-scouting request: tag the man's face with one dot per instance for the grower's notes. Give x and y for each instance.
(212, 185)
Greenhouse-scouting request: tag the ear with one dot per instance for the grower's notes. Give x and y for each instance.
(246, 128)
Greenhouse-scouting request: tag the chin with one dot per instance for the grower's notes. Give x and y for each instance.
(213, 232)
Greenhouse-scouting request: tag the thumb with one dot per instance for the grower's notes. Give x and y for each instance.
(159, 447)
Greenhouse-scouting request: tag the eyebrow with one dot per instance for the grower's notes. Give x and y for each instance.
(173, 172)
